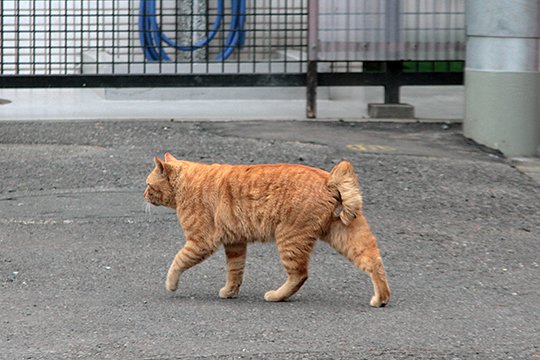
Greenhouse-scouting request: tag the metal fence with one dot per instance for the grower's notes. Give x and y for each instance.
(392, 30)
(132, 43)
(121, 37)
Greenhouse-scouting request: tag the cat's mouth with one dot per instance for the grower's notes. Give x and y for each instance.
(148, 199)
(152, 202)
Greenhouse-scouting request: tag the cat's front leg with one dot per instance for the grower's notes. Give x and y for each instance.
(193, 252)
(236, 260)
(294, 251)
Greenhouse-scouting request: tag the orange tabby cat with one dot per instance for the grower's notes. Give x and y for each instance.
(293, 205)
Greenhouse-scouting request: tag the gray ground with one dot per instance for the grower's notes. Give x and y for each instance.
(82, 266)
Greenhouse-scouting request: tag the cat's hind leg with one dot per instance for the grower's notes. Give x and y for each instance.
(358, 244)
(190, 255)
(236, 260)
(294, 252)
(371, 263)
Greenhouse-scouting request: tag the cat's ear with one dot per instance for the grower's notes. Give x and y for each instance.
(164, 168)
(160, 165)
(169, 157)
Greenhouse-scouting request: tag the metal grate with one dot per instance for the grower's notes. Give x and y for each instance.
(61, 37)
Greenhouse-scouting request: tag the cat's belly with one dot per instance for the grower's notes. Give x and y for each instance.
(231, 232)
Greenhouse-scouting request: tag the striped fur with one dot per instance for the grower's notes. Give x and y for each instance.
(293, 205)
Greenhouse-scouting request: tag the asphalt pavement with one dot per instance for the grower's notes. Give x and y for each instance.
(83, 261)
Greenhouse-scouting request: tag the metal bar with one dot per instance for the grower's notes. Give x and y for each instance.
(131, 40)
(49, 37)
(391, 87)
(380, 79)
(227, 80)
(311, 90)
(17, 38)
(254, 34)
(148, 80)
(311, 85)
(113, 35)
(1, 36)
(33, 44)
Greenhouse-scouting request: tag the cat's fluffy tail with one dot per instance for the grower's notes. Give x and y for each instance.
(343, 178)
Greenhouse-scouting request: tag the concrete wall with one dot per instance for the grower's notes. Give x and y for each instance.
(502, 75)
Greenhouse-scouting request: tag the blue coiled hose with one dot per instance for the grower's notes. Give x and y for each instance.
(236, 30)
(152, 38)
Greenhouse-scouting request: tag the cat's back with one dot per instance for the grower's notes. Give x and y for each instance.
(288, 177)
(282, 170)
(241, 181)
(278, 190)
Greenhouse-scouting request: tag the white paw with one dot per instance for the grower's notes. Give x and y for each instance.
(172, 280)
(272, 296)
(226, 293)
(171, 286)
(377, 302)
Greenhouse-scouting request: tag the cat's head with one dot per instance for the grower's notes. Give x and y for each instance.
(159, 190)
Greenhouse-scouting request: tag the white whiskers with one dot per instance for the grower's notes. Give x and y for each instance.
(147, 208)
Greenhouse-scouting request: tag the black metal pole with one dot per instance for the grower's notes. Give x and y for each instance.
(311, 90)
(311, 75)
(394, 69)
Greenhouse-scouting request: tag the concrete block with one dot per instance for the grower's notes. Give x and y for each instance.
(390, 111)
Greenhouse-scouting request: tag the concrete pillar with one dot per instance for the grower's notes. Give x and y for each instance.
(502, 75)
(191, 22)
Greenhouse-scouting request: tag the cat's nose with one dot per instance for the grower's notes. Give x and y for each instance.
(145, 193)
